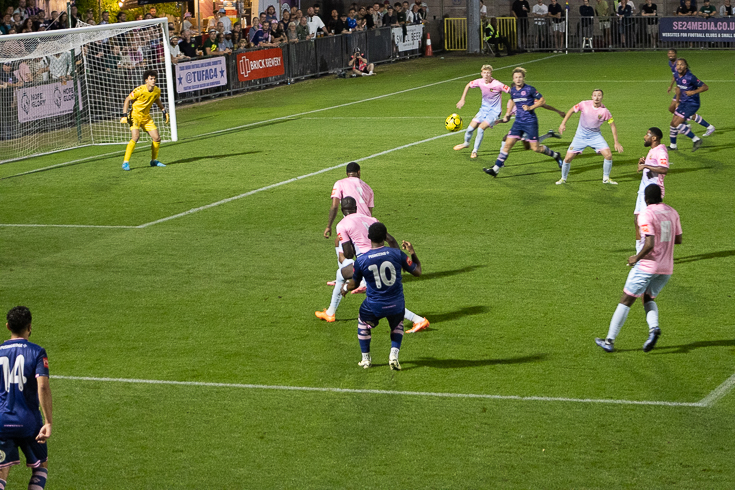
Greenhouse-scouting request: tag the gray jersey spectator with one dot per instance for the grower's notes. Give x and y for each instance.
(540, 13)
(187, 22)
(726, 9)
(60, 66)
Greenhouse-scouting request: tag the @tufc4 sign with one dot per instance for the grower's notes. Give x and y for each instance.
(260, 64)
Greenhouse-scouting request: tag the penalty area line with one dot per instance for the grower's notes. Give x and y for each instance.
(719, 392)
(378, 392)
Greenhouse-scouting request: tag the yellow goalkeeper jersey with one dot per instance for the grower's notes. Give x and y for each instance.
(143, 100)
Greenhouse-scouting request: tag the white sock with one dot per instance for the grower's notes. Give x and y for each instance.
(496, 168)
(468, 134)
(337, 251)
(618, 319)
(393, 353)
(651, 309)
(502, 145)
(336, 294)
(565, 170)
(606, 168)
(639, 245)
(365, 356)
(478, 138)
(695, 139)
(411, 316)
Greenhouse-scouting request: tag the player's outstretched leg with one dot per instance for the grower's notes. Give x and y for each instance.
(478, 141)
(467, 138)
(549, 134)
(700, 120)
(606, 169)
(551, 153)
(616, 323)
(654, 332)
(329, 315)
(419, 322)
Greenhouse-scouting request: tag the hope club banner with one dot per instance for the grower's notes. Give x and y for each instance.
(201, 74)
(42, 101)
(715, 30)
(260, 64)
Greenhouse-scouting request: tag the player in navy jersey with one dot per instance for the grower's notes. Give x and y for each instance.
(381, 267)
(688, 88)
(24, 388)
(672, 107)
(525, 127)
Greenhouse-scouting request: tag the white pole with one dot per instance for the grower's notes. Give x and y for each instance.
(126, 26)
(170, 84)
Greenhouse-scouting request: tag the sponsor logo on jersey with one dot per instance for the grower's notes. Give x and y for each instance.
(45, 362)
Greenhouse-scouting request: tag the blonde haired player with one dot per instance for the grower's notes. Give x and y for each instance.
(139, 117)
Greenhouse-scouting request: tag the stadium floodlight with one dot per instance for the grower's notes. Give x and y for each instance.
(65, 88)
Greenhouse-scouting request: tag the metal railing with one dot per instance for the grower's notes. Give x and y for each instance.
(455, 34)
(308, 59)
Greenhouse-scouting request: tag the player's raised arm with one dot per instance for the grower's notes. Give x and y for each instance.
(44, 398)
(414, 258)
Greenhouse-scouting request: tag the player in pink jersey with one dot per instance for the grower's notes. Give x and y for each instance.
(352, 233)
(351, 186)
(489, 111)
(592, 114)
(652, 267)
(654, 168)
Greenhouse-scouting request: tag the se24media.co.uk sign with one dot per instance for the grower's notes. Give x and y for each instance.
(263, 63)
(715, 30)
(201, 74)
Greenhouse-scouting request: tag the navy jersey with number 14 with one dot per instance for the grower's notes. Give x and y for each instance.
(21, 362)
(381, 268)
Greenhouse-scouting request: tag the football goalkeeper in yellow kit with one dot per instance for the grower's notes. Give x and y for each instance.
(139, 117)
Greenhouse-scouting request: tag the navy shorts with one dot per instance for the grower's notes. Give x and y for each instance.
(34, 452)
(686, 109)
(525, 131)
(371, 320)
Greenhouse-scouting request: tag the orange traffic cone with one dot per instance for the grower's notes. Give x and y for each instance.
(428, 51)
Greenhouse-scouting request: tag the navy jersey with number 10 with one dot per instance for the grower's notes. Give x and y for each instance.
(381, 268)
(21, 362)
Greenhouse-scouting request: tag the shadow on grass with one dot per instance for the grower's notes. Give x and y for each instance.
(433, 362)
(711, 255)
(210, 157)
(454, 315)
(440, 274)
(685, 348)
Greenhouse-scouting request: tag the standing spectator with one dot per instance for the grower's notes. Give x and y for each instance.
(557, 25)
(335, 24)
(285, 20)
(61, 22)
(400, 14)
(483, 11)
(302, 30)
(624, 19)
(650, 10)
(27, 25)
(540, 13)
(318, 10)
(603, 14)
(726, 9)
(520, 10)
(686, 9)
(89, 16)
(270, 14)
(176, 54)
(31, 9)
(253, 29)
(225, 21)
(21, 10)
(188, 45)
(186, 25)
(378, 15)
(105, 18)
(351, 21)
(122, 17)
(416, 14)
(236, 33)
(277, 33)
(211, 47)
(423, 8)
(315, 23)
(390, 19)
(225, 41)
(60, 66)
(153, 12)
(296, 16)
(7, 24)
(39, 70)
(291, 35)
(693, 4)
(707, 11)
(74, 17)
(266, 36)
(587, 21)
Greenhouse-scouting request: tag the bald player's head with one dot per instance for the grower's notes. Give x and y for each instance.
(349, 205)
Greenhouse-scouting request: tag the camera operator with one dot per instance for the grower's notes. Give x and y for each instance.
(360, 65)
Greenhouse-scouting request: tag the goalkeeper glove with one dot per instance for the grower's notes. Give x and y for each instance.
(124, 119)
(165, 115)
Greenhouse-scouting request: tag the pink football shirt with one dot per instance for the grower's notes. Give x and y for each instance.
(491, 92)
(591, 117)
(657, 157)
(662, 222)
(354, 228)
(354, 187)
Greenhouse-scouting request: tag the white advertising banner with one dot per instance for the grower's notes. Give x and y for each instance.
(42, 101)
(201, 74)
(412, 39)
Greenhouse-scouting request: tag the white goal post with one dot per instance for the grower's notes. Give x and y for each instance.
(65, 88)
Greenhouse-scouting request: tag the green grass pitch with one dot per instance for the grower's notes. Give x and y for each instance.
(520, 276)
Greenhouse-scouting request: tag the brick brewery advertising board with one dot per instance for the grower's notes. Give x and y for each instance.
(260, 64)
(412, 39)
(42, 101)
(201, 74)
(715, 30)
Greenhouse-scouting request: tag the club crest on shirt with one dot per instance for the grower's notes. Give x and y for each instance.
(523, 92)
(2, 456)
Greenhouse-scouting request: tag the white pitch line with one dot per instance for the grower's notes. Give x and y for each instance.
(273, 186)
(64, 226)
(719, 392)
(380, 392)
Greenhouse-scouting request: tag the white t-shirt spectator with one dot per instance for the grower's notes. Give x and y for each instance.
(541, 10)
(724, 10)
(315, 23)
(227, 23)
(60, 66)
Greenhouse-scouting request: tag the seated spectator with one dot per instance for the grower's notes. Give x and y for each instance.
(270, 14)
(188, 45)
(302, 30)
(291, 35)
(359, 65)
(726, 9)
(492, 36)
(707, 11)
(334, 24)
(278, 35)
(686, 9)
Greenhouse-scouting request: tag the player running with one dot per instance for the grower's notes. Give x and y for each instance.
(592, 114)
(352, 233)
(525, 126)
(381, 267)
(549, 134)
(653, 168)
(672, 107)
(489, 111)
(25, 389)
(688, 88)
(139, 117)
(652, 267)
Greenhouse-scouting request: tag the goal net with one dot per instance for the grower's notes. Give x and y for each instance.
(65, 88)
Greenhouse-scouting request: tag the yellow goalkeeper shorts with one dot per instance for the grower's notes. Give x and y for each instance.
(143, 122)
